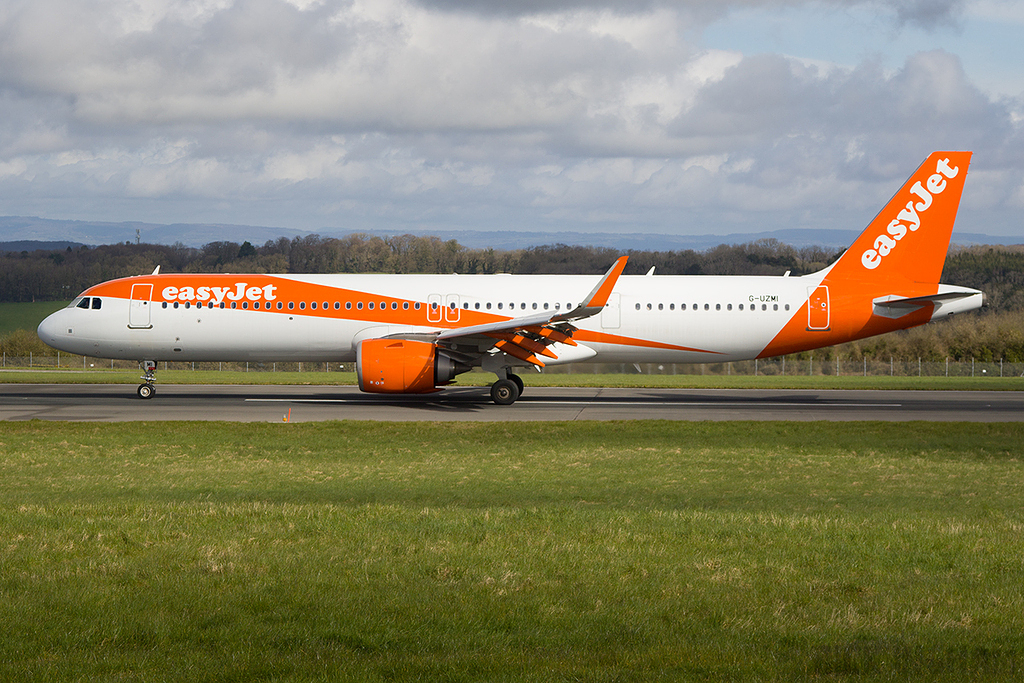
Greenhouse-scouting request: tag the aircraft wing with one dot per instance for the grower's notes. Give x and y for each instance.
(529, 336)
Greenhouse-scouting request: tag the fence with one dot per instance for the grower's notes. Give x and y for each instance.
(786, 365)
(64, 361)
(810, 366)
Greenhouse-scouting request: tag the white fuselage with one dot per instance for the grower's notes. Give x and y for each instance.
(683, 319)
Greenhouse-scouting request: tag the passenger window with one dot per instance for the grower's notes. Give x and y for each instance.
(787, 307)
(661, 307)
(488, 305)
(416, 305)
(405, 305)
(707, 307)
(394, 305)
(164, 305)
(729, 307)
(741, 307)
(326, 306)
(775, 307)
(638, 307)
(500, 305)
(671, 307)
(370, 305)
(764, 307)
(718, 307)
(291, 305)
(348, 305)
(682, 307)
(359, 305)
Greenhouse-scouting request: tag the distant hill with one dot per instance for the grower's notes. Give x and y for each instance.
(33, 245)
(47, 232)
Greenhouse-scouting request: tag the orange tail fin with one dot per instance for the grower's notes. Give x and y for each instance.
(908, 240)
(899, 256)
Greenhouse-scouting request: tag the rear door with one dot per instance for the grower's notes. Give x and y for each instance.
(817, 309)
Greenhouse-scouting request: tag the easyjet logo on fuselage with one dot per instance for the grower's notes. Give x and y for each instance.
(237, 292)
(910, 217)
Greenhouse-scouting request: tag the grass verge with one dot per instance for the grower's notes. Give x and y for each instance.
(101, 376)
(622, 551)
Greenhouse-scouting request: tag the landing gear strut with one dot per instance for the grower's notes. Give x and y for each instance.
(146, 389)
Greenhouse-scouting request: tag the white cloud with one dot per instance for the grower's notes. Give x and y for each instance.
(386, 110)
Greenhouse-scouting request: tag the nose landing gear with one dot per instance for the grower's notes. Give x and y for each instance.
(146, 389)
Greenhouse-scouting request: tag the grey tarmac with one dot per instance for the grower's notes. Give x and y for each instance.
(119, 403)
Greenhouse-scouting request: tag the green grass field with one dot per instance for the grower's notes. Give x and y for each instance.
(557, 552)
(26, 316)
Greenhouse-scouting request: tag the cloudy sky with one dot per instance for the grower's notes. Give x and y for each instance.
(656, 116)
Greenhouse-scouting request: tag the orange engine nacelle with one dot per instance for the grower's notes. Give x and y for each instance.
(403, 366)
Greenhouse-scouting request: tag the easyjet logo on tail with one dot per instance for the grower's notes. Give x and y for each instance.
(909, 218)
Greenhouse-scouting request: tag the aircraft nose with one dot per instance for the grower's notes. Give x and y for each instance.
(51, 329)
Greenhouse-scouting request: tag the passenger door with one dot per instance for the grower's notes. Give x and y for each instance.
(139, 306)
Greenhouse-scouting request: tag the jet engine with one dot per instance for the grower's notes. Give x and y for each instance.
(403, 366)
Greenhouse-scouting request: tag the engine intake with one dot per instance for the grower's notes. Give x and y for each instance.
(403, 366)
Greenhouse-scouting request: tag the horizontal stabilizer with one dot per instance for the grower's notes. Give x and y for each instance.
(895, 306)
(918, 301)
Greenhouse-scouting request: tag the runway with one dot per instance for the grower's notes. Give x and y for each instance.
(118, 403)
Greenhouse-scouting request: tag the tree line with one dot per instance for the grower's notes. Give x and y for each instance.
(60, 275)
(997, 332)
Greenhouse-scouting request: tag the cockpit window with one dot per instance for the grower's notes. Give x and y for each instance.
(84, 302)
(96, 303)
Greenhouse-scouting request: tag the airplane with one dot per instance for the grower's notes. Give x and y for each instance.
(413, 334)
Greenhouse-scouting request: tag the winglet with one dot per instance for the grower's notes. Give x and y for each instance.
(599, 297)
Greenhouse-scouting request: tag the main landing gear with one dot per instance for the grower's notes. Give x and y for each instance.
(146, 389)
(505, 391)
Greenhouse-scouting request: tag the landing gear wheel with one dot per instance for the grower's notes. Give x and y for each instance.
(518, 380)
(504, 392)
(146, 391)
